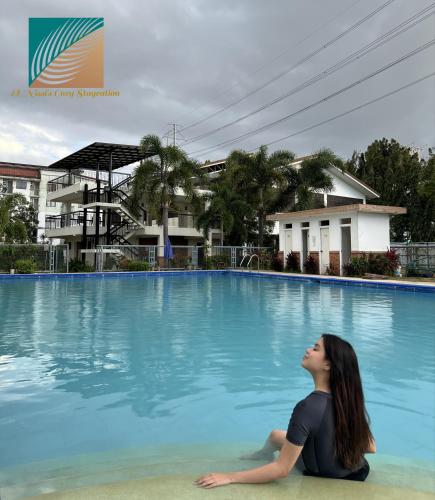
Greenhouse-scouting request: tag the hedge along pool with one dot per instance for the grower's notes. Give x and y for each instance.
(96, 367)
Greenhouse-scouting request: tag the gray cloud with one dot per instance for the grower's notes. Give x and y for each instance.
(179, 61)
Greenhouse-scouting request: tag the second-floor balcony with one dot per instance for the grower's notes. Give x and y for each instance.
(69, 188)
(71, 224)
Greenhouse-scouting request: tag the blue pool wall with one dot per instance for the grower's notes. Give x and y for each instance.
(323, 280)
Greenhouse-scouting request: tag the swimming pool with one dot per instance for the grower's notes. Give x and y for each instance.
(122, 376)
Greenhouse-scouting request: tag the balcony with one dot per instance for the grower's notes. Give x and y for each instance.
(71, 224)
(69, 188)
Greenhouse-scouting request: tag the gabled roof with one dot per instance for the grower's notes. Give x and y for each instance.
(354, 181)
(99, 153)
(357, 207)
(219, 165)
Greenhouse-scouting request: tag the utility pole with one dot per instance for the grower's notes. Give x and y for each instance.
(172, 134)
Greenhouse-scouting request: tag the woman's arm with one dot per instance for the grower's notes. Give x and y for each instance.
(276, 470)
(263, 474)
(371, 446)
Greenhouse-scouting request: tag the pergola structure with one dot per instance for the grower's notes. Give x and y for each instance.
(100, 156)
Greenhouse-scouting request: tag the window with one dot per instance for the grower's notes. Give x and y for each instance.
(305, 224)
(336, 201)
(288, 226)
(7, 186)
(324, 222)
(50, 203)
(21, 184)
(34, 188)
(347, 220)
(35, 203)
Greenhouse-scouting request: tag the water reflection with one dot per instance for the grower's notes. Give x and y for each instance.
(134, 357)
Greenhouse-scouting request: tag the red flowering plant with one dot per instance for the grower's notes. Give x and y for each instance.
(393, 261)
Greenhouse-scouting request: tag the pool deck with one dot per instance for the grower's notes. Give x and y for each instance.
(411, 286)
(168, 472)
(181, 488)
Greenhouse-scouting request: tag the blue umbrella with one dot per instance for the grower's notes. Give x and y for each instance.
(168, 253)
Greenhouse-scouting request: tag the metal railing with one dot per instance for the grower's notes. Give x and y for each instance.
(235, 256)
(148, 257)
(418, 255)
(43, 258)
(126, 257)
(70, 178)
(71, 219)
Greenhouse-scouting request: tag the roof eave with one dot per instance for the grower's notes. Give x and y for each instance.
(358, 207)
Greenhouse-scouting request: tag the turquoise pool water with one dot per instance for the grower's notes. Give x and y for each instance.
(100, 365)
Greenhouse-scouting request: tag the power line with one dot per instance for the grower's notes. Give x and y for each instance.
(356, 108)
(320, 101)
(288, 70)
(375, 44)
(257, 70)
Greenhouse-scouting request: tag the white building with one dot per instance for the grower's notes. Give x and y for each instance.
(101, 192)
(347, 226)
(32, 182)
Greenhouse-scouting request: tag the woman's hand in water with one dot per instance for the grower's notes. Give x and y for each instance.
(213, 479)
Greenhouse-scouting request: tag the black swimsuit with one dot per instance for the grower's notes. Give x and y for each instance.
(312, 426)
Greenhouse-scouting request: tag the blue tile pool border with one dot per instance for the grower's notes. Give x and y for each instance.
(322, 280)
(341, 281)
(111, 274)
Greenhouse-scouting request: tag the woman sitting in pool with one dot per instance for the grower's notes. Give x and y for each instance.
(330, 427)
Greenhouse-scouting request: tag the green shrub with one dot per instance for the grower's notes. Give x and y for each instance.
(138, 265)
(292, 262)
(217, 261)
(265, 259)
(277, 263)
(385, 264)
(357, 266)
(10, 254)
(332, 270)
(25, 266)
(311, 266)
(379, 264)
(78, 266)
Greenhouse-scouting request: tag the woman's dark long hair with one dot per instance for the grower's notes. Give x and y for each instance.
(352, 422)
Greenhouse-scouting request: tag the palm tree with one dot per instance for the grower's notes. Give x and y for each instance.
(302, 182)
(159, 176)
(228, 207)
(261, 178)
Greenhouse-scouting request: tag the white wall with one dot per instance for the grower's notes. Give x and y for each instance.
(369, 232)
(342, 188)
(314, 232)
(373, 232)
(43, 210)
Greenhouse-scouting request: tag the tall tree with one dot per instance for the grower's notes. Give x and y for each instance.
(401, 179)
(18, 219)
(259, 177)
(227, 208)
(312, 177)
(158, 178)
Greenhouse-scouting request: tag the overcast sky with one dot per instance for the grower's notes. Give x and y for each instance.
(181, 61)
